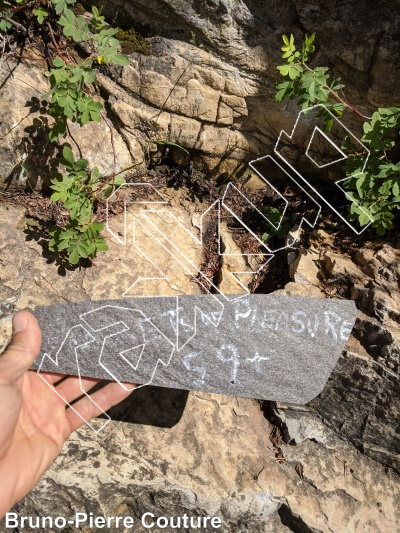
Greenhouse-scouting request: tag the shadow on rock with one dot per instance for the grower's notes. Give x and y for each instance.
(38, 156)
(152, 406)
(40, 235)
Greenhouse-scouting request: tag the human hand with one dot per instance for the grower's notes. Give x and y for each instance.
(34, 422)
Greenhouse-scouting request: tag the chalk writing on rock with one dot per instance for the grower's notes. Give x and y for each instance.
(300, 322)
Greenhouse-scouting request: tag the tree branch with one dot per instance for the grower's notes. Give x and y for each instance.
(53, 39)
(20, 8)
(13, 23)
(336, 95)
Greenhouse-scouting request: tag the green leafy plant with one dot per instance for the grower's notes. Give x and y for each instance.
(168, 143)
(69, 101)
(7, 13)
(70, 81)
(79, 189)
(280, 226)
(373, 184)
(375, 189)
(309, 85)
(40, 13)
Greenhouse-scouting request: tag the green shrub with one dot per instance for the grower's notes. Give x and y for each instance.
(79, 189)
(71, 89)
(376, 188)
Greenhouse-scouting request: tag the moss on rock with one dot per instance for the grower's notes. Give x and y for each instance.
(131, 42)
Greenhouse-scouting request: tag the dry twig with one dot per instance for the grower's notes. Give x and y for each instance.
(13, 23)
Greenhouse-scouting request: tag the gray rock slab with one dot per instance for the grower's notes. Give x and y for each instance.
(260, 346)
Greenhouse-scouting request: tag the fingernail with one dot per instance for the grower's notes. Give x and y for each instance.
(19, 321)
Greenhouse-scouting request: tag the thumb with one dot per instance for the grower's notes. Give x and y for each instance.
(23, 349)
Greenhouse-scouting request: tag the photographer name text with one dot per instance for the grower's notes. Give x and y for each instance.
(148, 521)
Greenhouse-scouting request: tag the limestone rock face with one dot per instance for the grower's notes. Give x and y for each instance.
(172, 452)
(24, 150)
(249, 34)
(301, 289)
(208, 82)
(30, 275)
(362, 397)
(27, 278)
(304, 270)
(27, 156)
(361, 400)
(216, 460)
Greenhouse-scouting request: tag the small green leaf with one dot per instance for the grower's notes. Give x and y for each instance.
(68, 112)
(89, 76)
(82, 251)
(76, 77)
(40, 14)
(81, 23)
(359, 185)
(363, 219)
(58, 62)
(328, 124)
(70, 15)
(95, 175)
(284, 69)
(120, 59)
(63, 245)
(280, 95)
(81, 164)
(31, 223)
(119, 180)
(4, 25)
(63, 101)
(68, 155)
(311, 90)
(59, 129)
(95, 106)
(295, 71)
(97, 226)
(101, 245)
(95, 116)
(74, 257)
(55, 196)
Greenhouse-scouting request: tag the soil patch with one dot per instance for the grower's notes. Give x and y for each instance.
(194, 189)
